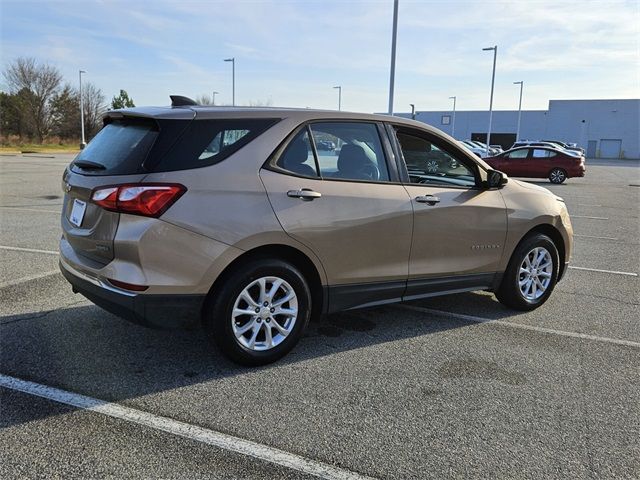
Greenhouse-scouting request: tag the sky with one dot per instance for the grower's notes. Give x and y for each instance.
(292, 53)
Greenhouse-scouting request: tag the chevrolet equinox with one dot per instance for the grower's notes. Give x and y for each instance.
(237, 219)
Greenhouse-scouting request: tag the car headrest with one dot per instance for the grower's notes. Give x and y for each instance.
(352, 158)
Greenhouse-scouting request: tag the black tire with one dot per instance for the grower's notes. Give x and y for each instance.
(509, 292)
(557, 176)
(218, 310)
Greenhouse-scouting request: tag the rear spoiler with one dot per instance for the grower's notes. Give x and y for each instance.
(150, 112)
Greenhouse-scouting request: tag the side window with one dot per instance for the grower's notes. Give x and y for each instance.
(428, 164)
(350, 151)
(298, 156)
(223, 139)
(201, 142)
(521, 153)
(540, 153)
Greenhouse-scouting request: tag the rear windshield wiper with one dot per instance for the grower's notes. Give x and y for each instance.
(89, 165)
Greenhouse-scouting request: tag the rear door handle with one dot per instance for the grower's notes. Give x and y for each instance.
(305, 194)
(429, 199)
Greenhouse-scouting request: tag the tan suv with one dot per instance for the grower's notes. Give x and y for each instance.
(233, 217)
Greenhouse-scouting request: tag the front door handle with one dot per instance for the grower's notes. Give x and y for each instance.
(305, 194)
(428, 199)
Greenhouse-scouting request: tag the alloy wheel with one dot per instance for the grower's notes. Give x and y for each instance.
(264, 313)
(557, 176)
(535, 273)
(432, 166)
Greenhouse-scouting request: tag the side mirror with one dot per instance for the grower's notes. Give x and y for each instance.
(496, 179)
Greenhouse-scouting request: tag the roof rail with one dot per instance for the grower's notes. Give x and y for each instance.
(180, 101)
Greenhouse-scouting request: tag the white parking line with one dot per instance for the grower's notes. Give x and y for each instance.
(28, 250)
(186, 430)
(592, 236)
(28, 278)
(592, 218)
(57, 212)
(613, 272)
(474, 319)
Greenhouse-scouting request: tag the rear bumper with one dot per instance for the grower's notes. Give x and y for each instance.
(157, 311)
(576, 172)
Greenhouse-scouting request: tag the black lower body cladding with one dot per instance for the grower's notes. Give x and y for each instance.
(155, 311)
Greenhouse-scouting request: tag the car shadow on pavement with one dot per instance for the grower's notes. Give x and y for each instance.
(86, 350)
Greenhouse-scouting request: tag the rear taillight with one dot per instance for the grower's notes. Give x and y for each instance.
(146, 199)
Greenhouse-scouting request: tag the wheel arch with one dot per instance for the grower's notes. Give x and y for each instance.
(280, 252)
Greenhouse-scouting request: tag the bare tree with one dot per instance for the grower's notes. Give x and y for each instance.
(261, 103)
(93, 101)
(42, 81)
(204, 99)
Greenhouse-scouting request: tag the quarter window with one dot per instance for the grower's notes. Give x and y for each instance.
(222, 140)
(201, 142)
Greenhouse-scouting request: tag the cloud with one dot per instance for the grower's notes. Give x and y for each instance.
(297, 51)
(241, 48)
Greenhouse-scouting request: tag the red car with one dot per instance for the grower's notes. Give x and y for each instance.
(539, 162)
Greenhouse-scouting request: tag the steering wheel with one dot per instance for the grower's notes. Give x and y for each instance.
(369, 171)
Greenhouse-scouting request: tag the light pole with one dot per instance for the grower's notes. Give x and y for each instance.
(453, 120)
(233, 79)
(339, 87)
(82, 142)
(413, 111)
(214, 98)
(521, 83)
(493, 78)
(394, 36)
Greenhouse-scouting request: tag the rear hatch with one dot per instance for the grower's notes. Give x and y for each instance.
(119, 154)
(133, 144)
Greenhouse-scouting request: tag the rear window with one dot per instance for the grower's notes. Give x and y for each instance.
(130, 146)
(119, 148)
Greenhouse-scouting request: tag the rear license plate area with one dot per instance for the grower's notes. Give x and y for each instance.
(77, 212)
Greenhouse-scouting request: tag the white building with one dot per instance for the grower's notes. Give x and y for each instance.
(604, 128)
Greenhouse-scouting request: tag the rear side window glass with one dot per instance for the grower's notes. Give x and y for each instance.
(350, 151)
(119, 148)
(540, 153)
(298, 157)
(522, 153)
(206, 142)
(222, 140)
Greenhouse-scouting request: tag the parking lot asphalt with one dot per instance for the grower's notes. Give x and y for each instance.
(450, 387)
